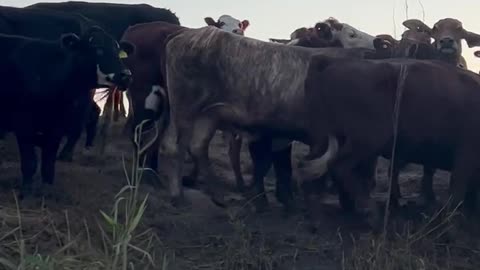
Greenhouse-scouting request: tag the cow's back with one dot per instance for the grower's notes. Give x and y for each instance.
(150, 41)
(38, 23)
(259, 82)
(437, 104)
(125, 15)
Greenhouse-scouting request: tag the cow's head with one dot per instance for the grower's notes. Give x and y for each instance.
(229, 24)
(95, 46)
(448, 34)
(414, 44)
(312, 37)
(345, 34)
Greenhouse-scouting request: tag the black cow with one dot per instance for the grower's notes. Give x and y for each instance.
(49, 25)
(43, 82)
(112, 17)
(120, 17)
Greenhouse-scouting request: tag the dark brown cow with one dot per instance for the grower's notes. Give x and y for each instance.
(360, 112)
(147, 92)
(415, 43)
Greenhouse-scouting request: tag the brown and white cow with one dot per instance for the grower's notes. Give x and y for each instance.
(147, 92)
(361, 111)
(210, 88)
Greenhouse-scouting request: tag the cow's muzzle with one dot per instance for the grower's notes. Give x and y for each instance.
(447, 45)
(122, 79)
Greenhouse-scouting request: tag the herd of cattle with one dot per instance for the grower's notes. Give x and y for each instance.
(351, 96)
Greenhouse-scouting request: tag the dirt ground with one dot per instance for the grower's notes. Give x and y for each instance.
(203, 236)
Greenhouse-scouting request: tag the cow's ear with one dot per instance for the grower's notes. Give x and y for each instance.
(477, 53)
(472, 39)
(127, 47)
(210, 21)
(96, 36)
(70, 41)
(245, 24)
(417, 25)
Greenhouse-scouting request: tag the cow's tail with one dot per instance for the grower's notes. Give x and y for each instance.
(316, 168)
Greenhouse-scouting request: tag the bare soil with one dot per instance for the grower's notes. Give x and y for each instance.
(203, 236)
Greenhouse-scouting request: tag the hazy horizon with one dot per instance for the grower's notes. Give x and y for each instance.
(278, 18)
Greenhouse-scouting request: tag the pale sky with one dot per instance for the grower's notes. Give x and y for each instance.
(278, 18)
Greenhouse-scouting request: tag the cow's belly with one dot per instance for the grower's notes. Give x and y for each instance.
(440, 156)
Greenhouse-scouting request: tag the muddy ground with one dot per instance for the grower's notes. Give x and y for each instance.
(204, 236)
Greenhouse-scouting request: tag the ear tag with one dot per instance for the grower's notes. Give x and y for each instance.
(122, 54)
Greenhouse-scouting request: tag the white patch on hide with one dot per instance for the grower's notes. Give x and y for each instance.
(152, 101)
(104, 79)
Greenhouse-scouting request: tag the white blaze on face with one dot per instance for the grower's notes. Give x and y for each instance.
(230, 24)
(351, 37)
(152, 101)
(104, 79)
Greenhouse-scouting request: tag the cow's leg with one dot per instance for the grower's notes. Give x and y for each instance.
(203, 131)
(464, 175)
(261, 154)
(345, 170)
(152, 155)
(234, 149)
(176, 148)
(282, 165)
(395, 195)
(91, 127)
(427, 184)
(49, 151)
(28, 160)
(80, 115)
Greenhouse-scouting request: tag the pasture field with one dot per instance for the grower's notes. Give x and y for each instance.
(66, 230)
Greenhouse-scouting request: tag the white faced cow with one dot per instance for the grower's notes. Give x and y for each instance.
(229, 24)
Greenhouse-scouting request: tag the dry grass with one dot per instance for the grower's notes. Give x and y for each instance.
(38, 240)
(432, 244)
